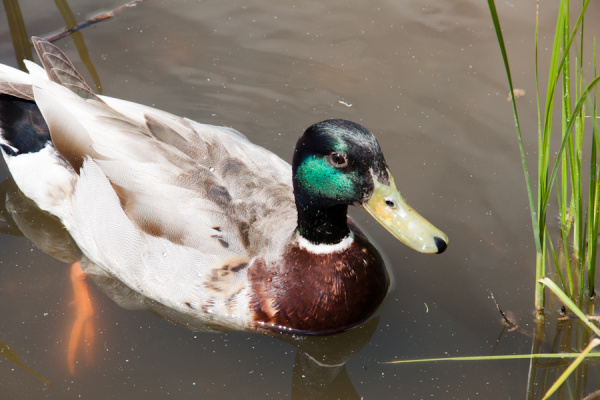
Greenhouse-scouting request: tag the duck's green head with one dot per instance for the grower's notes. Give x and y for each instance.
(339, 163)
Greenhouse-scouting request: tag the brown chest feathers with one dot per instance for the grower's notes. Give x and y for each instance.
(319, 293)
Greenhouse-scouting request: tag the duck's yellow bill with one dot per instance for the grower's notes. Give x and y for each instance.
(390, 209)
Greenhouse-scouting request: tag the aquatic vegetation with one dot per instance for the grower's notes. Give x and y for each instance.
(578, 226)
(576, 241)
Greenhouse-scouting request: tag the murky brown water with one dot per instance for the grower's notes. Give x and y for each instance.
(426, 77)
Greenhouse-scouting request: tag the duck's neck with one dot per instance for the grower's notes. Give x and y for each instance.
(327, 225)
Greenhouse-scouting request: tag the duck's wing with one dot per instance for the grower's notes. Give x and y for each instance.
(174, 209)
(201, 186)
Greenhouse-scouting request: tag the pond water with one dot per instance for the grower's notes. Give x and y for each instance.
(427, 79)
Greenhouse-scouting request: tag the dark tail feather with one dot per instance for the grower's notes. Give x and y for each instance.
(22, 126)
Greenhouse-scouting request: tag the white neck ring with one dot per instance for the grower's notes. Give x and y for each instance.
(322, 248)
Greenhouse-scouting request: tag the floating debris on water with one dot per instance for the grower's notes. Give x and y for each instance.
(517, 93)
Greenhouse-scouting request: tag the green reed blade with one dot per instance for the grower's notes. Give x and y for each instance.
(532, 207)
(593, 205)
(563, 144)
(495, 358)
(559, 273)
(568, 158)
(563, 377)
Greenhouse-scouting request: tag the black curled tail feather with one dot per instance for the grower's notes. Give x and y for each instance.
(22, 126)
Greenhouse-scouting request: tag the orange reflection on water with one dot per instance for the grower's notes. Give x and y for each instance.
(83, 325)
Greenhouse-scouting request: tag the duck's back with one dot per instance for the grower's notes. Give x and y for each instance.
(172, 208)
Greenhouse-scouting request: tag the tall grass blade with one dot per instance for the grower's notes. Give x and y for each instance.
(594, 200)
(495, 358)
(563, 377)
(563, 144)
(539, 302)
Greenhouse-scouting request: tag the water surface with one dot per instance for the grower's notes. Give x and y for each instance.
(426, 77)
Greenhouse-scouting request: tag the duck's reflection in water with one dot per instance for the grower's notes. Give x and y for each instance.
(320, 364)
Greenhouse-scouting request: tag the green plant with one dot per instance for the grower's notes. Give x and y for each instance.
(577, 230)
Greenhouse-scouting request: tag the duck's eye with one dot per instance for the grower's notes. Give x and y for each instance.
(338, 160)
(390, 203)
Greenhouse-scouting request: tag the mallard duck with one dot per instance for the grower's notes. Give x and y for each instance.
(197, 218)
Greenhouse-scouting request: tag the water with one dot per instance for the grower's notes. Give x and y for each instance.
(426, 77)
